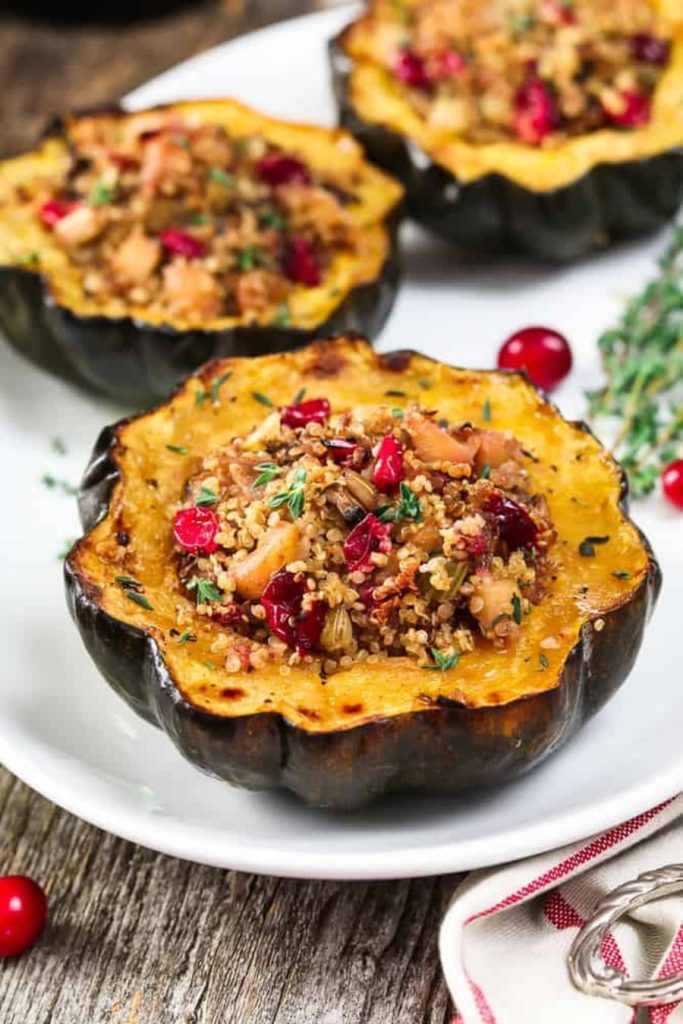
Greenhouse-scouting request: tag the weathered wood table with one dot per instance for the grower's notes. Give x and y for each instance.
(135, 937)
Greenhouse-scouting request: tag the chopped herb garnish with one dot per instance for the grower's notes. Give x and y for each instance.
(179, 449)
(282, 315)
(58, 446)
(186, 638)
(221, 177)
(298, 397)
(263, 399)
(209, 664)
(272, 218)
(485, 471)
(129, 582)
(52, 483)
(407, 508)
(424, 383)
(643, 360)
(197, 219)
(517, 609)
(443, 662)
(293, 497)
(486, 411)
(543, 662)
(102, 193)
(398, 414)
(587, 545)
(395, 394)
(252, 257)
(27, 259)
(216, 385)
(138, 598)
(206, 591)
(206, 497)
(268, 471)
(621, 574)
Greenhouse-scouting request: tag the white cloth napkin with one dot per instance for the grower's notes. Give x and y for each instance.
(506, 935)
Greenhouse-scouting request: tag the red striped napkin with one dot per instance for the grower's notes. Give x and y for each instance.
(505, 938)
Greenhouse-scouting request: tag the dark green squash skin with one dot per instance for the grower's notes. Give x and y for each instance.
(493, 214)
(138, 363)
(440, 749)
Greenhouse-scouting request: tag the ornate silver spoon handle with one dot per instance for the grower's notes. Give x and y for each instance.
(588, 970)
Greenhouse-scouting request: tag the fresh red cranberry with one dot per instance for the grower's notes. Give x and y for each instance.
(410, 69)
(635, 112)
(340, 450)
(535, 114)
(544, 354)
(370, 535)
(195, 529)
(315, 410)
(23, 912)
(649, 49)
(451, 64)
(280, 169)
(181, 243)
(388, 469)
(515, 526)
(282, 600)
(301, 264)
(55, 210)
(672, 483)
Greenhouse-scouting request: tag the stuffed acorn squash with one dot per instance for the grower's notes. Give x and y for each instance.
(133, 247)
(549, 127)
(345, 573)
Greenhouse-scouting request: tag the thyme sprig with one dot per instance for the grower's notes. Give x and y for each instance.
(643, 360)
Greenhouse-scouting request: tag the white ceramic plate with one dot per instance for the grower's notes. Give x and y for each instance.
(64, 732)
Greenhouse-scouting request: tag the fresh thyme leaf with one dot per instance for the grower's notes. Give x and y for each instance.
(543, 662)
(263, 399)
(486, 411)
(443, 662)
(272, 218)
(517, 609)
(268, 471)
(409, 505)
(293, 497)
(186, 637)
(520, 23)
(29, 259)
(52, 483)
(587, 545)
(621, 574)
(209, 664)
(196, 219)
(221, 177)
(102, 193)
(385, 513)
(424, 383)
(206, 591)
(298, 397)
(129, 582)
(485, 471)
(282, 315)
(206, 497)
(216, 385)
(395, 394)
(138, 598)
(252, 257)
(398, 414)
(58, 446)
(642, 357)
(179, 449)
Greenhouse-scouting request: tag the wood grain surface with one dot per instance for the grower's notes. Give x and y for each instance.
(135, 937)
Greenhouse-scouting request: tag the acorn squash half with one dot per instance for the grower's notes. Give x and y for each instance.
(138, 354)
(557, 203)
(373, 728)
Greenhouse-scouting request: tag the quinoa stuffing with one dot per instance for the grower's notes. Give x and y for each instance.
(175, 215)
(350, 537)
(538, 71)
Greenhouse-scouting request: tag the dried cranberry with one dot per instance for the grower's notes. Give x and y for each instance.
(672, 483)
(23, 912)
(282, 600)
(280, 169)
(439, 481)
(230, 615)
(366, 594)
(181, 243)
(544, 354)
(340, 450)
(194, 529)
(388, 469)
(315, 410)
(55, 210)
(515, 526)
(451, 64)
(649, 49)
(301, 264)
(410, 69)
(535, 114)
(370, 535)
(635, 111)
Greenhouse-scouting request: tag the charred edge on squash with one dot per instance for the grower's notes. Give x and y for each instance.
(153, 692)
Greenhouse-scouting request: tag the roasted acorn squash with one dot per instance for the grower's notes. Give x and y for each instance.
(556, 203)
(372, 728)
(129, 349)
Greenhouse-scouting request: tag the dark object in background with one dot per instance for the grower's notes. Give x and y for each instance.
(78, 11)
